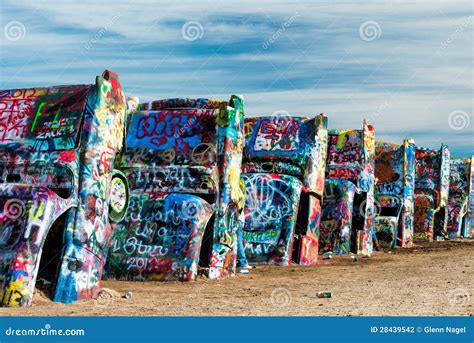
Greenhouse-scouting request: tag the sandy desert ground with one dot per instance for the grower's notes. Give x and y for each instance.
(434, 279)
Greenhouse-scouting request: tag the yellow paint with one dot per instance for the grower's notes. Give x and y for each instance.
(39, 213)
(15, 291)
(342, 137)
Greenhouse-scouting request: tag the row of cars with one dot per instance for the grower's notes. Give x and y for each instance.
(93, 186)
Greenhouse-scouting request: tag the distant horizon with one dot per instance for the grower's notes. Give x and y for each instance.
(405, 67)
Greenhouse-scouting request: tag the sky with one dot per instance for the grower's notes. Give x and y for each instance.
(405, 66)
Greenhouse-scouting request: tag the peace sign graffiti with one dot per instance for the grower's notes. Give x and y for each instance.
(168, 155)
(203, 153)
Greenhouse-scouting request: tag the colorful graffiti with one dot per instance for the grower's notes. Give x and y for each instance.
(431, 193)
(459, 196)
(271, 210)
(283, 169)
(335, 230)
(469, 228)
(394, 193)
(57, 152)
(183, 161)
(351, 209)
(173, 206)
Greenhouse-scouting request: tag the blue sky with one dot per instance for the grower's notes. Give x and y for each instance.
(406, 66)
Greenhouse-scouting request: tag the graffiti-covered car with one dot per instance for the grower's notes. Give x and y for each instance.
(394, 194)
(459, 196)
(283, 170)
(182, 161)
(347, 222)
(57, 150)
(470, 209)
(431, 193)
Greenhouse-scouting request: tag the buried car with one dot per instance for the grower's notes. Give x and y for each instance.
(283, 170)
(470, 209)
(394, 194)
(459, 196)
(182, 161)
(431, 193)
(347, 222)
(57, 150)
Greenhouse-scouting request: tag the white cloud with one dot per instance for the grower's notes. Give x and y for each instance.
(416, 73)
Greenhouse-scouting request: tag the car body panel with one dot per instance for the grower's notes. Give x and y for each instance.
(26, 216)
(157, 246)
(431, 193)
(459, 197)
(469, 228)
(394, 193)
(283, 167)
(182, 156)
(335, 227)
(64, 139)
(350, 159)
(271, 210)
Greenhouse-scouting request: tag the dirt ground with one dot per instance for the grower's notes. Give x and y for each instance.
(436, 279)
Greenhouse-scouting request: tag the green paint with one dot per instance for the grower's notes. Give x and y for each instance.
(38, 114)
(55, 124)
